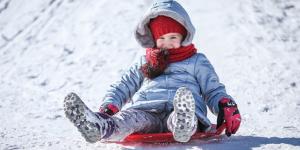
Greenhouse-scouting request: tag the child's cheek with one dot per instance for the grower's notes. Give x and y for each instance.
(158, 44)
(177, 45)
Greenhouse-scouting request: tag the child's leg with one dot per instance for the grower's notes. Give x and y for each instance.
(87, 122)
(133, 120)
(182, 122)
(96, 126)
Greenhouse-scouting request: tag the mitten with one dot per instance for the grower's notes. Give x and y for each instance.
(229, 113)
(108, 109)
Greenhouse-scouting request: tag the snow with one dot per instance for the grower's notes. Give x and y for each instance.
(52, 47)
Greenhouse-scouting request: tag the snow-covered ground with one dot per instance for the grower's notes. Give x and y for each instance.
(52, 47)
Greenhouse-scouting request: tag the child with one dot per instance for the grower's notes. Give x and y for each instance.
(169, 88)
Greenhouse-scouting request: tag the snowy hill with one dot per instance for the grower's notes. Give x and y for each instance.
(52, 47)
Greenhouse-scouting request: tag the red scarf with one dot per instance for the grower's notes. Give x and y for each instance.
(182, 53)
(159, 59)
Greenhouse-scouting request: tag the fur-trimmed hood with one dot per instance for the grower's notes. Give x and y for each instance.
(169, 8)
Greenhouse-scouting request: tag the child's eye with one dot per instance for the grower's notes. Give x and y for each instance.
(173, 37)
(161, 38)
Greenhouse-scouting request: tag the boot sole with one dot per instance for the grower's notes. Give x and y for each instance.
(76, 111)
(184, 108)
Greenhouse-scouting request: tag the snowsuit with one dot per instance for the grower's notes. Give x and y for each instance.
(146, 104)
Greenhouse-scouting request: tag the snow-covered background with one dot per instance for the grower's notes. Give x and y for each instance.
(52, 47)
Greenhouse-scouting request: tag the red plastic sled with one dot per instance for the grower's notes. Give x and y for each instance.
(168, 137)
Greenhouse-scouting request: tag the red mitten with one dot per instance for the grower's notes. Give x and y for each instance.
(229, 113)
(108, 109)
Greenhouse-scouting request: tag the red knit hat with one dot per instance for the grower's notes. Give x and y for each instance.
(162, 25)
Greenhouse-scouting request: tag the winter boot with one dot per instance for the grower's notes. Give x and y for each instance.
(92, 126)
(183, 121)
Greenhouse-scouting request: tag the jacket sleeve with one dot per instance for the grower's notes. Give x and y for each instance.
(126, 87)
(211, 89)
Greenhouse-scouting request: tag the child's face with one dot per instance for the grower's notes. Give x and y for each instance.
(169, 41)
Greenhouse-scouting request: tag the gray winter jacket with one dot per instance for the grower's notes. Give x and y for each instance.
(157, 95)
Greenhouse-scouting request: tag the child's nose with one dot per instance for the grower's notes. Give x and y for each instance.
(167, 45)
